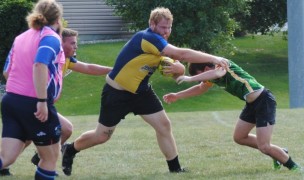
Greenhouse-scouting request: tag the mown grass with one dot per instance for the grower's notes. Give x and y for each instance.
(265, 57)
(202, 126)
(205, 145)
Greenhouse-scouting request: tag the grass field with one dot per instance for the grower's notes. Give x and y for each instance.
(204, 142)
(202, 126)
(265, 57)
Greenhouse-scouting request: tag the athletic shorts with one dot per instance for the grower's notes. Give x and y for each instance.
(116, 104)
(19, 121)
(262, 111)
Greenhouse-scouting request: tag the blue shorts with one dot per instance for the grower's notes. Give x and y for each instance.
(19, 121)
(116, 104)
(262, 111)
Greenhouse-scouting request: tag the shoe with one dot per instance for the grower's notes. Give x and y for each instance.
(276, 164)
(297, 168)
(67, 160)
(5, 172)
(35, 159)
(181, 170)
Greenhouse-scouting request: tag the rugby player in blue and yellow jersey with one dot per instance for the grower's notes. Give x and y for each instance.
(259, 111)
(128, 89)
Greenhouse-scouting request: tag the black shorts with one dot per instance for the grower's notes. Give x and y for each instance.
(116, 104)
(19, 121)
(262, 111)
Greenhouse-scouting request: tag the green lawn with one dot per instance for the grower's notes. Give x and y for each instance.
(202, 126)
(265, 57)
(205, 145)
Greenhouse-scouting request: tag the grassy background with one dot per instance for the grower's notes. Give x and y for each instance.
(205, 145)
(265, 57)
(202, 126)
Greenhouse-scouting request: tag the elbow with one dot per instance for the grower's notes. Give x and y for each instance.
(5, 75)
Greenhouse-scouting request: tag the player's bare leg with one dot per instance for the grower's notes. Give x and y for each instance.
(162, 126)
(242, 134)
(261, 141)
(86, 140)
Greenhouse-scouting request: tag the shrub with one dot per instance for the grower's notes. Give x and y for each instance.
(201, 25)
(12, 23)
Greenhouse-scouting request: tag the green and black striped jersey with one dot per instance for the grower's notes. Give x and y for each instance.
(238, 82)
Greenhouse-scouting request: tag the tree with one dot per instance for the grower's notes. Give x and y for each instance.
(199, 24)
(260, 16)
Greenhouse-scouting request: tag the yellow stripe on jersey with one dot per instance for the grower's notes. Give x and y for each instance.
(66, 69)
(241, 80)
(147, 47)
(139, 67)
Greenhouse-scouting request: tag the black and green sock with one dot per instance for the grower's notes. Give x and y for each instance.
(174, 165)
(290, 164)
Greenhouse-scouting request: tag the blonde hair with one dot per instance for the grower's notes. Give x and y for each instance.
(158, 14)
(45, 12)
(68, 33)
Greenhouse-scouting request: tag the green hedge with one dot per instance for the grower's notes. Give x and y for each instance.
(12, 23)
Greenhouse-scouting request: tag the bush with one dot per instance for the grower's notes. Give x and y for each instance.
(202, 25)
(12, 23)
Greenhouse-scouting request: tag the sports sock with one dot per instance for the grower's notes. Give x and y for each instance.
(290, 164)
(174, 165)
(42, 174)
(71, 149)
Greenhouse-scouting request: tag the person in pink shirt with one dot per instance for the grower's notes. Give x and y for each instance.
(34, 83)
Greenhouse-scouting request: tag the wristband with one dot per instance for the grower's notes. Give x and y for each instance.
(41, 100)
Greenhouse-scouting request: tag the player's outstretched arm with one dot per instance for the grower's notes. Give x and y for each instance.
(193, 56)
(190, 92)
(91, 69)
(205, 76)
(170, 98)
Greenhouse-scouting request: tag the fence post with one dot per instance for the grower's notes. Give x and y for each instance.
(295, 16)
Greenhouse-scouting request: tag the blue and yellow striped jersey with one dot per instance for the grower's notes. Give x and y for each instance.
(138, 60)
(69, 63)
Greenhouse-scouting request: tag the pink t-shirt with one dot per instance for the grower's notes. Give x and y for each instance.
(21, 61)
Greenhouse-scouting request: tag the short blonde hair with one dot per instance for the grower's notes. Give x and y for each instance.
(158, 14)
(45, 12)
(68, 33)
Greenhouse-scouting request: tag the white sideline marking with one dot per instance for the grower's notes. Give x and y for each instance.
(219, 120)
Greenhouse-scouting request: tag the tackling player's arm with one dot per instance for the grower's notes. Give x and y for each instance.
(207, 75)
(190, 92)
(91, 69)
(193, 56)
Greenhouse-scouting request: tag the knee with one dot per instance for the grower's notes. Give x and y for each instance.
(237, 139)
(7, 161)
(164, 129)
(102, 138)
(264, 148)
(67, 129)
(166, 125)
